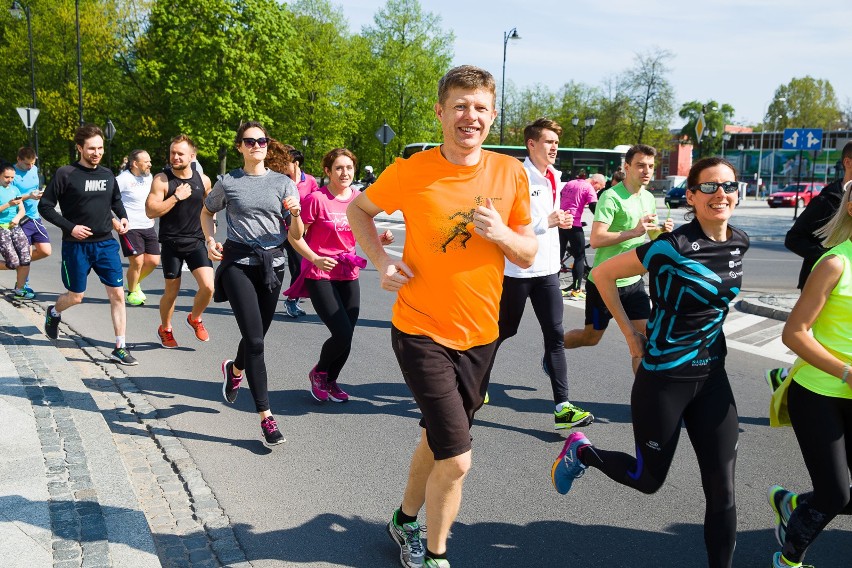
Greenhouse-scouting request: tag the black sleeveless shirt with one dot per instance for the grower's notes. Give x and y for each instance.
(181, 226)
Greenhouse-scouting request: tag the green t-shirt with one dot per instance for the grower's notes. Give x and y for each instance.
(621, 210)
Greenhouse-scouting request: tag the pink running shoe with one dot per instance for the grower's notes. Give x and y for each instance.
(335, 393)
(319, 385)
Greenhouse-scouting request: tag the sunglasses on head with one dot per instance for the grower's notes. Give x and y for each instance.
(250, 142)
(710, 187)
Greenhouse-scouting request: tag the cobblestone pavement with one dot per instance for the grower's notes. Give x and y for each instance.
(188, 527)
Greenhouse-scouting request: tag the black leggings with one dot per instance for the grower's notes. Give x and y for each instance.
(543, 292)
(823, 426)
(577, 244)
(294, 261)
(708, 411)
(337, 303)
(254, 306)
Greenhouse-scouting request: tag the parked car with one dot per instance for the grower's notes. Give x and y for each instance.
(787, 196)
(676, 196)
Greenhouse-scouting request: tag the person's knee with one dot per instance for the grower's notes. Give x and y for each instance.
(454, 468)
(253, 346)
(592, 336)
(648, 484)
(74, 298)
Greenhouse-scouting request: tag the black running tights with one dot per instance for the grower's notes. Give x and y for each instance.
(543, 292)
(709, 413)
(254, 306)
(823, 426)
(337, 303)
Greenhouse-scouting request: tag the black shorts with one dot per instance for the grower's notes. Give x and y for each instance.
(448, 385)
(172, 259)
(138, 241)
(634, 298)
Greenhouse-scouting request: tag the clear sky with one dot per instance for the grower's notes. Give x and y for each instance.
(732, 51)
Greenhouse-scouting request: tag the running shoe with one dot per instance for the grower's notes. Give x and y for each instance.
(335, 393)
(566, 292)
(134, 299)
(571, 416)
(27, 287)
(407, 537)
(51, 323)
(319, 384)
(578, 295)
(487, 398)
(291, 308)
(123, 356)
(782, 502)
(271, 434)
(430, 562)
(22, 294)
(568, 466)
(198, 327)
(167, 338)
(138, 291)
(774, 377)
(299, 310)
(778, 561)
(230, 382)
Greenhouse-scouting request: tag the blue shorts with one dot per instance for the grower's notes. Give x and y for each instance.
(35, 231)
(78, 259)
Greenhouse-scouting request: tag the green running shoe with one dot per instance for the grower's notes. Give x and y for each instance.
(571, 416)
(135, 298)
(774, 377)
(430, 562)
(782, 502)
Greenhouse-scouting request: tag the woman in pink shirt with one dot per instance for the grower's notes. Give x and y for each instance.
(330, 269)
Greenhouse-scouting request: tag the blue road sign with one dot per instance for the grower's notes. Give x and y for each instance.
(802, 139)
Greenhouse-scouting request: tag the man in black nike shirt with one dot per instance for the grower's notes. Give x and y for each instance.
(88, 195)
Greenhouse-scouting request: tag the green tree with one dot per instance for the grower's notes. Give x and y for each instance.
(616, 123)
(716, 116)
(410, 54)
(327, 112)
(205, 66)
(521, 108)
(54, 42)
(651, 94)
(805, 103)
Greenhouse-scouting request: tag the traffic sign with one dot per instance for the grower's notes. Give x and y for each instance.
(385, 134)
(802, 139)
(700, 127)
(110, 130)
(28, 115)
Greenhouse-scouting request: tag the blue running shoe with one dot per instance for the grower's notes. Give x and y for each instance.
(778, 561)
(782, 502)
(568, 466)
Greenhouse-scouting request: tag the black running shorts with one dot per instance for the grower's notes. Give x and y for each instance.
(448, 385)
(633, 297)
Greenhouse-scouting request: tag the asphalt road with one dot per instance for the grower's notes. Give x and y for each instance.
(323, 498)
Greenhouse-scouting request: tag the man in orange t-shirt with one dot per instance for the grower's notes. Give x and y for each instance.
(466, 210)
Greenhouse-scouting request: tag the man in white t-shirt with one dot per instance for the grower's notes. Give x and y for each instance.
(139, 244)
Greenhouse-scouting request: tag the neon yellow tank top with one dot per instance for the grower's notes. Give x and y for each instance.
(833, 329)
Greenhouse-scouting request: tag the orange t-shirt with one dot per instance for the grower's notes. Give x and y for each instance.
(454, 297)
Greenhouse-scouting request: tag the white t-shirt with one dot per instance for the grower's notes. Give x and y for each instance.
(134, 191)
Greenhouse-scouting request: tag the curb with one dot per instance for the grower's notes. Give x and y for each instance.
(188, 526)
(774, 306)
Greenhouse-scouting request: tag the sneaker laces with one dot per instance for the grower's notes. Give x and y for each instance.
(412, 538)
(269, 425)
(121, 352)
(167, 334)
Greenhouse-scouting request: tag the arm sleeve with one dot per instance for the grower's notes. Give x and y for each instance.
(605, 210)
(386, 192)
(520, 213)
(647, 252)
(800, 238)
(48, 202)
(310, 208)
(215, 200)
(117, 203)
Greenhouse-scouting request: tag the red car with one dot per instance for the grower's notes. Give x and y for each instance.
(786, 197)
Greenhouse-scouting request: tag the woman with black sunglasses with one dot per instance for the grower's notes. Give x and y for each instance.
(256, 200)
(694, 273)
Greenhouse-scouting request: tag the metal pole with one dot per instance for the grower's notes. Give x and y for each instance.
(798, 185)
(502, 87)
(772, 162)
(32, 74)
(79, 62)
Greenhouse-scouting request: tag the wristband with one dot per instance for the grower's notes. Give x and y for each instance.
(845, 372)
(176, 197)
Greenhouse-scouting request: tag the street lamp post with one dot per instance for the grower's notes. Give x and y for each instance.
(760, 153)
(772, 145)
(79, 62)
(588, 124)
(511, 34)
(16, 11)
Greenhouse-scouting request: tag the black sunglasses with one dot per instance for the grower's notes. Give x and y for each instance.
(250, 142)
(710, 187)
